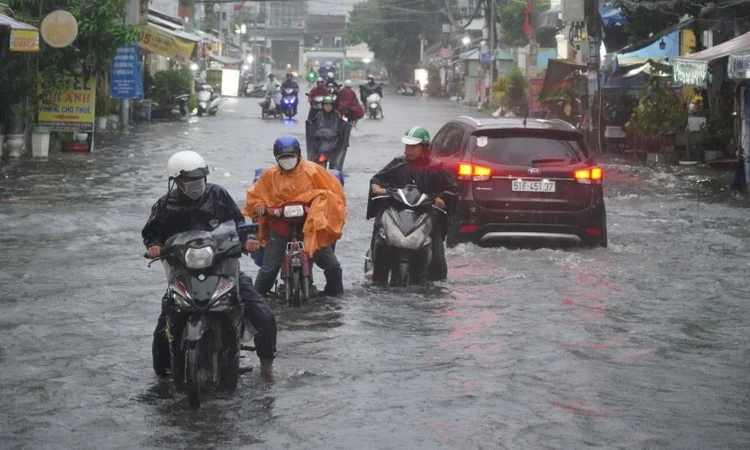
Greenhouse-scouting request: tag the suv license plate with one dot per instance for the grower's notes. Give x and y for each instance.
(533, 186)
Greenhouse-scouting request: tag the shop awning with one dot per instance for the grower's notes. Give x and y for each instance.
(557, 71)
(164, 35)
(23, 37)
(226, 60)
(693, 69)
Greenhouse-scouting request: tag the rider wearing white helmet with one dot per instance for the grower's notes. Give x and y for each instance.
(197, 205)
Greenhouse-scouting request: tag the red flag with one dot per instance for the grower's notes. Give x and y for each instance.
(527, 20)
(239, 7)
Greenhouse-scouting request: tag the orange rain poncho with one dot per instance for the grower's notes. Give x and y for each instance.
(308, 183)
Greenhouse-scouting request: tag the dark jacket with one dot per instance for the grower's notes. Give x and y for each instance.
(289, 84)
(175, 213)
(430, 176)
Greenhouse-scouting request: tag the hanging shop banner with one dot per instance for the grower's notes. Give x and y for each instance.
(72, 109)
(163, 43)
(126, 80)
(24, 41)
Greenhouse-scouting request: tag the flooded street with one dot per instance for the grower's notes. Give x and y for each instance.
(641, 345)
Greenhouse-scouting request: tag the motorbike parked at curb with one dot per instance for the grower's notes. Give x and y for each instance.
(205, 320)
(402, 250)
(208, 100)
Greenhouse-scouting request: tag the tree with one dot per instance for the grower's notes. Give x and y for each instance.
(512, 19)
(392, 29)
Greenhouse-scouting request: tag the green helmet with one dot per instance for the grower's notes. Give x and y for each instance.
(416, 135)
(327, 99)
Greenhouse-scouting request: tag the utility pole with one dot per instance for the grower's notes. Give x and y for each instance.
(532, 50)
(493, 44)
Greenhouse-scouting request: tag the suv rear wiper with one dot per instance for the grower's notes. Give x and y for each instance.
(548, 160)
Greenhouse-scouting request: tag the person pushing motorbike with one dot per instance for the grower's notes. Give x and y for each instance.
(431, 178)
(197, 205)
(296, 180)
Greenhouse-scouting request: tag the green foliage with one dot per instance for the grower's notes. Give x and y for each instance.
(101, 32)
(660, 111)
(433, 81)
(517, 98)
(499, 92)
(512, 18)
(391, 28)
(171, 83)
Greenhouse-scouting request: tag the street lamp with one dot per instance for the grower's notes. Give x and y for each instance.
(366, 60)
(194, 67)
(250, 59)
(466, 40)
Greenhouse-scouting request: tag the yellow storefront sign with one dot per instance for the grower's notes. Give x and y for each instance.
(71, 110)
(24, 41)
(161, 42)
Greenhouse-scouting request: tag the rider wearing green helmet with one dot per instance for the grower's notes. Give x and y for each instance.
(431, 177)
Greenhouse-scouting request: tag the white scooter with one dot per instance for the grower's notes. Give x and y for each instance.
(373, 106)
(208, 100)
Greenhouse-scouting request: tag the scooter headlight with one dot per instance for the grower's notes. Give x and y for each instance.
(199, 258)
(292, 211)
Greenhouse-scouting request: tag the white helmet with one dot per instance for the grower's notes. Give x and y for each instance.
(329, 74)
(320, 80)
(348, 83)
(187, 163)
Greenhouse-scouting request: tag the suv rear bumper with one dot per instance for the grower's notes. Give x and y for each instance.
(479, 225)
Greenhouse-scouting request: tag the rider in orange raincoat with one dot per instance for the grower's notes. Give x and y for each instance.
(295, 180)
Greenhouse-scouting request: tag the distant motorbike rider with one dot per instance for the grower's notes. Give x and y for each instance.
(318, 91)
(295, 179)
(331, 83)
(431, 178)
(196, 205)
(370, 88)
(347, 100)
(290, 83)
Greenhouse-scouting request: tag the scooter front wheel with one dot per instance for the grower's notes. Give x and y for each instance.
(295, 288)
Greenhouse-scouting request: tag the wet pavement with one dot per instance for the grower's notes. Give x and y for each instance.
(642, 345)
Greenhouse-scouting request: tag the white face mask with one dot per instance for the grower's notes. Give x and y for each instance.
(287, 163)
(194, 189)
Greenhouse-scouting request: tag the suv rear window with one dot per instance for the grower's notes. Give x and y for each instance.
(524, 148)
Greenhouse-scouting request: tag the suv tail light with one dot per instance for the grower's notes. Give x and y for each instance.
(469, 172)
(593, 175)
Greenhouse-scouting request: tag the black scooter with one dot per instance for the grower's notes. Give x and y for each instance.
(403, 247)
(205, 320)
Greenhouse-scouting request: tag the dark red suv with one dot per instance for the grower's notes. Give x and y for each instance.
(527, 180)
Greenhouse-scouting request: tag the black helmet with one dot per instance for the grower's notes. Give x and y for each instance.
(286, 145)
(370, 79)
(271, 76)
(290, 75)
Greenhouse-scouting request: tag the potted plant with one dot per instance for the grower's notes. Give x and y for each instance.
(16, 127)
(659, 115)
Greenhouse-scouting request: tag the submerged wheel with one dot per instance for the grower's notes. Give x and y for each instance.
(400, 277)
(229, 369)
(178, 367)
(194, 376)
(306, 284)
(296, 288)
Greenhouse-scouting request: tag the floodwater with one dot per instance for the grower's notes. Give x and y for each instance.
(641, 345)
